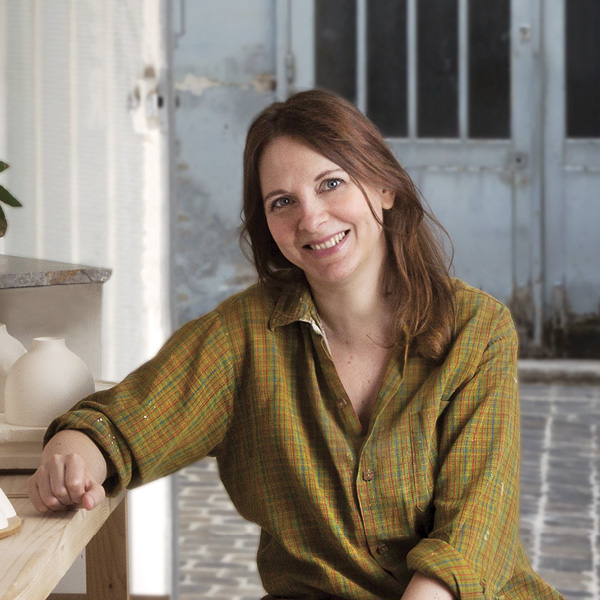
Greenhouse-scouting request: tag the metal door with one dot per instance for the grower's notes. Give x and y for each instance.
(460, 90)
(572, 176)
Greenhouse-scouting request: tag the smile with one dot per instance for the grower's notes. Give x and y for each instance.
(330, 243)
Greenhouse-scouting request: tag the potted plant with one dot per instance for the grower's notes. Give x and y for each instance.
(7, 198)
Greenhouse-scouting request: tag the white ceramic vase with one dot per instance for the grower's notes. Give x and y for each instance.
(11, 350)
(7, 511)
(44, 383)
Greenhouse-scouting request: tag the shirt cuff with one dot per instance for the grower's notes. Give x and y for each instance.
(438, 560)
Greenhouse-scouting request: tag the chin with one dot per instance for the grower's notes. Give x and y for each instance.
(333, 278)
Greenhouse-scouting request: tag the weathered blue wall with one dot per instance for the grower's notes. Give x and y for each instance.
(224, 75)
(525, 233)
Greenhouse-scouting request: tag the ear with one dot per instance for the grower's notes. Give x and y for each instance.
(387, 199)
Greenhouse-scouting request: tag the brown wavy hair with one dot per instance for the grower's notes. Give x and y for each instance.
(417, 276)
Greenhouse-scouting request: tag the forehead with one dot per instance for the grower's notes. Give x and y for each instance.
(285, 159)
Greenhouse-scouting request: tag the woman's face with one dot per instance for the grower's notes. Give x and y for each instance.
(318, 217)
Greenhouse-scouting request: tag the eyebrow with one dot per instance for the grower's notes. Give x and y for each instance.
(317, 178)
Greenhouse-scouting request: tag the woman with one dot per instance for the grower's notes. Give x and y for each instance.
(362, 405)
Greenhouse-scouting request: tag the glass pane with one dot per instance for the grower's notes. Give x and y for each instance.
(386, 70)
(335, 52)
(437, 68)
(583, 68)
(489, 68)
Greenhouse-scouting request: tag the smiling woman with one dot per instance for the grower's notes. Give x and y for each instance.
(319, 218)
(361, 403)
(415, 278)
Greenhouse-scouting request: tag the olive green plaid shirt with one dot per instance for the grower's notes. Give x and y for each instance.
(431, 486)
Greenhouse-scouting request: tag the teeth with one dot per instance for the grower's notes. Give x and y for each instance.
(336, 239)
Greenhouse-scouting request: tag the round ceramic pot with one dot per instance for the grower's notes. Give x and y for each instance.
(11, 350)
(45, 383)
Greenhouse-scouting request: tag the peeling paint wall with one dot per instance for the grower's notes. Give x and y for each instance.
(224, 75)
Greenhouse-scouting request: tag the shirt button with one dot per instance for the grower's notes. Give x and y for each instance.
(368, 475)
(381, 549)
(341, 402)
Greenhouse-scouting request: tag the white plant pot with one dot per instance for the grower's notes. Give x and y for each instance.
(11, 350)
(45, 383)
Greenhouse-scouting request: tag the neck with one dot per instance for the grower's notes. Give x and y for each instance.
(354, 313)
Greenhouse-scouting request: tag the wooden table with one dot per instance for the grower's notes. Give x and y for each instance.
(34, 560)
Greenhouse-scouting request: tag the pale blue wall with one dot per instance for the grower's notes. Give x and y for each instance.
(224, 75)
(531, 241)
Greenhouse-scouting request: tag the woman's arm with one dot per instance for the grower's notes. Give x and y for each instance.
(70, 475)
(422, 587)
(473, 544)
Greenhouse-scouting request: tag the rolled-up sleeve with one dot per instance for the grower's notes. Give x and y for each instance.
(474, 544)
(171, 411)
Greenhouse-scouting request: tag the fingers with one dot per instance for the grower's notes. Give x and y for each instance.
(55, 485)
(40, 485)
(63, 481)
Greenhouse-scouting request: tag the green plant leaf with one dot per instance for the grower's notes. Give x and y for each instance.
(3, 166)
(8, 198)
(3, 223)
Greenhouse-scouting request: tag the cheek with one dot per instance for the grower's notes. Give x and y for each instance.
(283, 236)
(278, 231)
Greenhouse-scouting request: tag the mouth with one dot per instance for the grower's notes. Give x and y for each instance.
(330, 243)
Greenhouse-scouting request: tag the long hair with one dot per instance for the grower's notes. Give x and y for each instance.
(417, 276)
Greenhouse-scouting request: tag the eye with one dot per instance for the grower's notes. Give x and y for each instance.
(332, 184)
(280, 202)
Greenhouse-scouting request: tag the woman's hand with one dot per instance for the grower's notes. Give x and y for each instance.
(70, 475)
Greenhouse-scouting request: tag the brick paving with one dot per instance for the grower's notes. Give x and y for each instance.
(560, 505)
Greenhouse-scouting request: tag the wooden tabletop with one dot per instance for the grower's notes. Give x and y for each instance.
(35, 559)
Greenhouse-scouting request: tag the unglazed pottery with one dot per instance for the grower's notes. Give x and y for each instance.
(11, 350)
(10, 523)
(44, 383)
(6, 507)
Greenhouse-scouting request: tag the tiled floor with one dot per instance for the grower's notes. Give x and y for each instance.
(560, 505)
(560, 485)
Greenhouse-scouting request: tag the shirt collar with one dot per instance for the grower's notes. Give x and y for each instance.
(295, 303)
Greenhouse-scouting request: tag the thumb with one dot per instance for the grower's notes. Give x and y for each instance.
(94, 494)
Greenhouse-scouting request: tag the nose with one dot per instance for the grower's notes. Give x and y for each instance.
(313, 214)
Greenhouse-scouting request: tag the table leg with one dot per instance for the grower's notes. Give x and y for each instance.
(106, 559)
